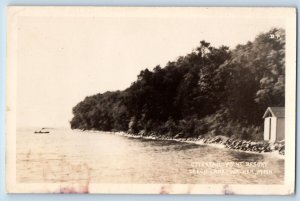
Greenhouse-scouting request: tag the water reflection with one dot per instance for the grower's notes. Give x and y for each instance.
(243, 156)
(74, 156)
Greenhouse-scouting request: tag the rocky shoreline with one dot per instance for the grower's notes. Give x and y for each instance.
(247, 145)
(222, 141)
(218, 141)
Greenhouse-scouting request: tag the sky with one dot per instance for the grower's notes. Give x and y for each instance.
(63, 59)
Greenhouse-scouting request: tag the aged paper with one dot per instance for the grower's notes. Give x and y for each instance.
(151, 100)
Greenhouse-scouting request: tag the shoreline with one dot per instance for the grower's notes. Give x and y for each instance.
(222, 142)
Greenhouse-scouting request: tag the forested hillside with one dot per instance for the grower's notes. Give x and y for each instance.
(210, 91)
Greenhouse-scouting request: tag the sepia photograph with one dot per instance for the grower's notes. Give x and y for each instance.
(151, 100)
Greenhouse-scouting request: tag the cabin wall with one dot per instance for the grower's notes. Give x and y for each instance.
(267, 125)
(280, 129)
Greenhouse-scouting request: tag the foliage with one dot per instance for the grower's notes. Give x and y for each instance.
(214, 91)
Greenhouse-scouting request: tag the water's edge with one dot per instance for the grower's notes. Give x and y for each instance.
(66, 155)
(221, 142)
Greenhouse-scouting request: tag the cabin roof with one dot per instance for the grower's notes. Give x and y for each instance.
(275, 112)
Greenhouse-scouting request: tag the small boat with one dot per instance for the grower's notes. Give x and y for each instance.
(42, 131)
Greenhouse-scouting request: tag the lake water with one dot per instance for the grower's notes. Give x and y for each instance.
(73, 156)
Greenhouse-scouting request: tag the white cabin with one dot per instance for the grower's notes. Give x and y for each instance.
(274, 124)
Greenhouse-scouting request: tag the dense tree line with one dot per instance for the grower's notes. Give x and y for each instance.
(210, 91)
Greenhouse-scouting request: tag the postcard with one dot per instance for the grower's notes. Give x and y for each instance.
(151, 100)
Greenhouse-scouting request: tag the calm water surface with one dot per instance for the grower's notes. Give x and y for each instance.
(73, 156)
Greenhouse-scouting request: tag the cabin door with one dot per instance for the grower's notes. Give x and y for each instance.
(273, 129)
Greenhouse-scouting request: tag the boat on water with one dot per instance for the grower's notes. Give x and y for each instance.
(42, 131)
